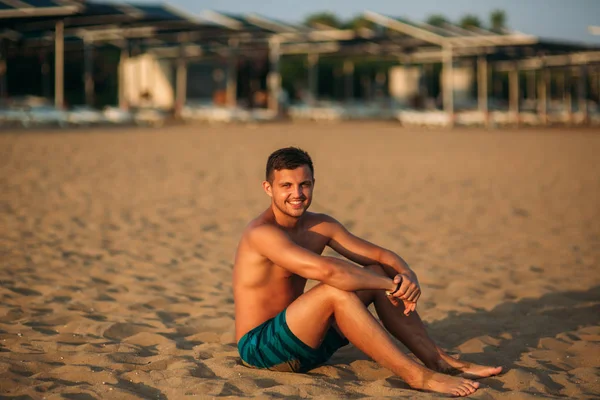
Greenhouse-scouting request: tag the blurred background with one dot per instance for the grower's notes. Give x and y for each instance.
(117, 241)
(74, 62)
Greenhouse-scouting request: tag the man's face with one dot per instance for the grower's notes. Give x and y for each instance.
(291, 190)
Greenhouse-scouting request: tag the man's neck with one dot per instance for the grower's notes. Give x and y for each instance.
(285, 221)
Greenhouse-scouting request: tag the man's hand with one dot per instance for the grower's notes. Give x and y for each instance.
(409, 292)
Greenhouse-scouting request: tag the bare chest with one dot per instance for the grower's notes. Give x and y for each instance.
(310, 240)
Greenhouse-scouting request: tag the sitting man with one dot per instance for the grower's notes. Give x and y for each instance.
(282, 328)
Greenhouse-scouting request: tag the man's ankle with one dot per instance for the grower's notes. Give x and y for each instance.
(419, 377)
(445, 368)
(435, 363)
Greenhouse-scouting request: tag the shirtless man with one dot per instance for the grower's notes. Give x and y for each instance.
(280, 327)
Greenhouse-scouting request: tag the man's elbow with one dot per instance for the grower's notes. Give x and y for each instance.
(325, 272)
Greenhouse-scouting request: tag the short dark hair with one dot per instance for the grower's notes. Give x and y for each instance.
(287, 158)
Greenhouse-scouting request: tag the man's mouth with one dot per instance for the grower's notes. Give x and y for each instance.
(296, 202)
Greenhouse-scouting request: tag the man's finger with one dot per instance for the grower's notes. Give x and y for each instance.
(393, 300)
(401, 293)
(411, 292)
(408, 308)
(414, 296)
(406, 284)
(418, 296)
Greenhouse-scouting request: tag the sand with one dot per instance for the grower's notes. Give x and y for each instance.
(116, 250)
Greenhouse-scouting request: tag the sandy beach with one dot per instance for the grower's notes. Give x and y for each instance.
(116, 251)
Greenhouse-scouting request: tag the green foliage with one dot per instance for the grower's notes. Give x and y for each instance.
(470, 21)
(359, 22)
(437, 20)
(323, 18)
(498, 20)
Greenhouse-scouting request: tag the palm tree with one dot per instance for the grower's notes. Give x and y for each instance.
(470, 21)
(498, 20)
(323, 18)
(437, 20)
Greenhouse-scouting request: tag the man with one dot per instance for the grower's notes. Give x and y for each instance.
(279, 327)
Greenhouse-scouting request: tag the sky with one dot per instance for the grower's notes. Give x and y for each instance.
(552, 19)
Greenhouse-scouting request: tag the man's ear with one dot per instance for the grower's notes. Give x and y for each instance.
(268, 188)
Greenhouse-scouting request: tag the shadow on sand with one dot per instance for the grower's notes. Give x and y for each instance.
(515, 329)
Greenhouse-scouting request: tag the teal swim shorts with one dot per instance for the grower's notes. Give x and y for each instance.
(272, 345)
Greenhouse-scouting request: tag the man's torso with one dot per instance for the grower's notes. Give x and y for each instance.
(262, 289)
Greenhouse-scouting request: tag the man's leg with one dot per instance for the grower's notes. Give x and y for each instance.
(411, 331)
(309, 317)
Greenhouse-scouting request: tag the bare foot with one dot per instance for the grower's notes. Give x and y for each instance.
(452, 366)
(450, 385)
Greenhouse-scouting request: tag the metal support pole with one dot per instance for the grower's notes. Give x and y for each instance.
(482, 87)
(569, 94)
(231, 91)
(88, 74)
(561, 86)
(582, 93)
(59, 65)
(543, 96)
(180, 82)
(274, 77)
(348, 80)
(123, 104)
(313, 76)
(448, 84)
(514, 93)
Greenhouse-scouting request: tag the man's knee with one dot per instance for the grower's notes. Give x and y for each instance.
(336, 294)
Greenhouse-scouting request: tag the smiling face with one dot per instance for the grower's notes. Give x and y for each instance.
(291, 190)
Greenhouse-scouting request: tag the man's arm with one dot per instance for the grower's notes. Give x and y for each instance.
(275, 245)
(366, 253)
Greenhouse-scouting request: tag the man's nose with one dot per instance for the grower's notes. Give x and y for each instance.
(298, 191)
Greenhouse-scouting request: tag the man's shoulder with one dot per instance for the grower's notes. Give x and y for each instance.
(321, 219)
(260, 226)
